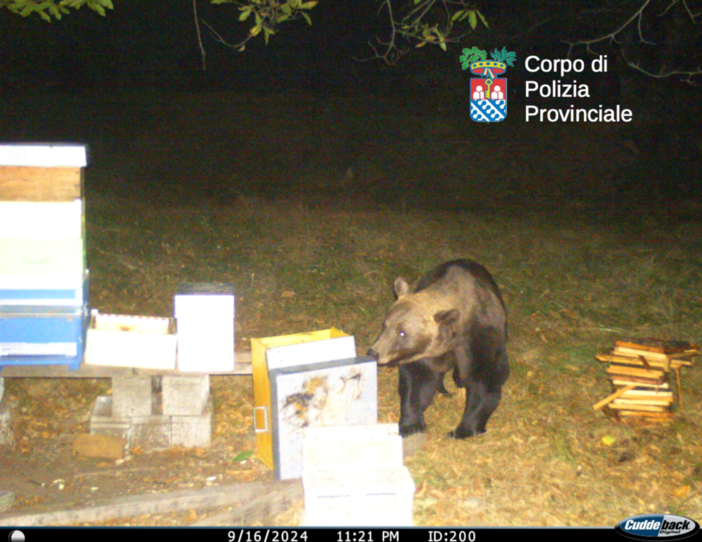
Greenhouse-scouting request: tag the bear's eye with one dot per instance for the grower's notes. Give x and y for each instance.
(402, 334)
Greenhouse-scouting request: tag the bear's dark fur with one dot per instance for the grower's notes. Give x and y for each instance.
(453, 319)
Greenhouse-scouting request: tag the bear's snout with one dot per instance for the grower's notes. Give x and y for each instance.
(372, 353)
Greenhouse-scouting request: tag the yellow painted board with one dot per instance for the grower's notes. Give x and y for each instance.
(262, 385)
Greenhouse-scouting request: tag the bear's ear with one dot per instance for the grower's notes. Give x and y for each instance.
(448, 322)
(401, 287)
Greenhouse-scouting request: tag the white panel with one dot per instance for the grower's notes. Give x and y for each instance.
(43, 155)
(205, 332)
(311, 352)
(208, 306)
(41, 263)
(41, 220)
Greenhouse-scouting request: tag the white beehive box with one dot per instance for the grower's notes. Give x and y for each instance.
(130, 341)
(205, 316)
(353, 476)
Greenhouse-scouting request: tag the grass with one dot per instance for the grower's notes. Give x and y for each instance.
(299, 266)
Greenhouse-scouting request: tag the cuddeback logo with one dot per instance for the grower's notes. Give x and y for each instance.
(657, 526)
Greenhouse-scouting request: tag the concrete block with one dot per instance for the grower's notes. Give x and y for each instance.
(154, 432)
(192, 431)
(5, 427)
(102, 422)
(370, 497)
(185, 395)
(150, 432)
(131, 396)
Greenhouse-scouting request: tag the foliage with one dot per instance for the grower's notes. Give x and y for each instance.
(659, 39)
(47, 9)
(268, 14)
(422, 22)
(663, 35)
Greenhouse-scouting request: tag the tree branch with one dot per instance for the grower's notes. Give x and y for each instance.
(637, 17)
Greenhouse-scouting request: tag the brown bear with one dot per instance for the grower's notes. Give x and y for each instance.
(453, 319)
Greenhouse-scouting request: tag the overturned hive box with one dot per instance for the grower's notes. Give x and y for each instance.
(131, 341)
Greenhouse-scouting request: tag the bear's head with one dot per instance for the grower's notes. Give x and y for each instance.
(415, 328)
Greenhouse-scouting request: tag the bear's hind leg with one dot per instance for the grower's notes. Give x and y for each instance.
(418, 385)
(480, 404)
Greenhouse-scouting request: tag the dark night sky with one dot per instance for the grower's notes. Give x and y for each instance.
(155, 43)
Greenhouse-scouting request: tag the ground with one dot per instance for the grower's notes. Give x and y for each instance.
(312, 205)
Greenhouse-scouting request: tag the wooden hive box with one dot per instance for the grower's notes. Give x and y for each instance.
(277, 353)
(43, 274)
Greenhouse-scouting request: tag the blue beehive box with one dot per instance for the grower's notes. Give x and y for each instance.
(49, 333)
(43, 276)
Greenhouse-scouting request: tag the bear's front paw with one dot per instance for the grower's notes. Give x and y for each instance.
(407, 430)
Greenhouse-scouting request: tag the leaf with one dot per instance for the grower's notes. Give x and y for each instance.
(482, 19)
(244, 15)
(420, 44)
(608, 440)
(472, 19)
(307, 18)
(267, 32)
(309, 5)
(682, 491)
(243, 455)
(443, 45)
(255, 30)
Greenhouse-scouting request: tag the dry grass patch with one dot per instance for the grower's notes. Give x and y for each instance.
(571, 288)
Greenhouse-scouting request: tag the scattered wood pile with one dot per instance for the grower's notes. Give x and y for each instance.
(639, 370)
